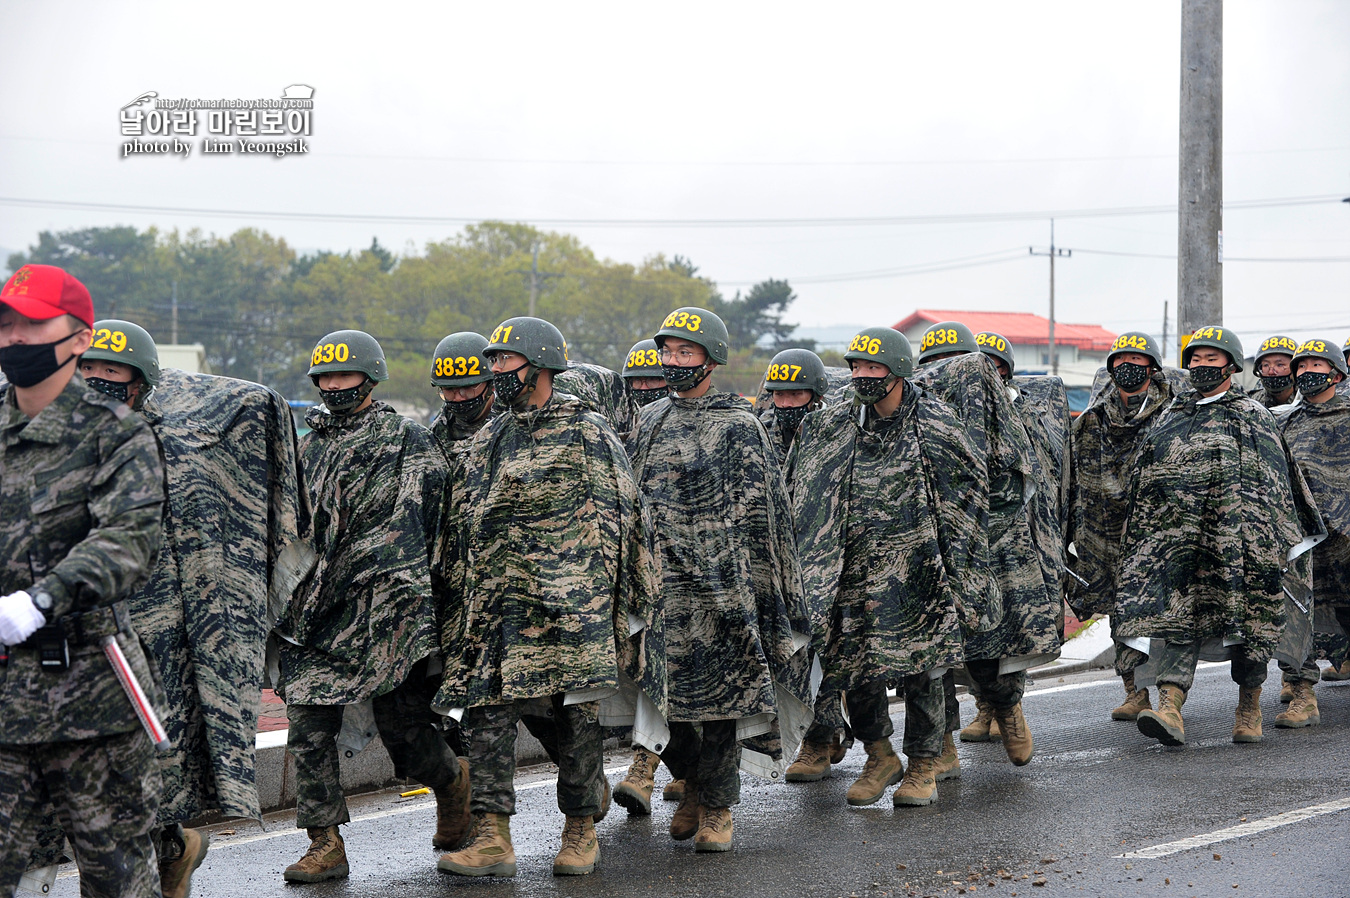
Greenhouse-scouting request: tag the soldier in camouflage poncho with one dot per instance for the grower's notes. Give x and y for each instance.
(1217, 513)
(231, 557)
(601, 390)
(551, 553)
(736, 621)
(363, 624)
(1029, 629)
(81, 497)
(891, 512)
(1105, 439)
(1317, 430)
(1272, 366)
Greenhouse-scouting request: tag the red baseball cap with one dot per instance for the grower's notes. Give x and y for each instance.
(45, 291)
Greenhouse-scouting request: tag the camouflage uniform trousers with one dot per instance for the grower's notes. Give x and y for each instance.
(579, 749)
(711, 758)
(1001, 691)
(106, 792)
(409, 729)
(1127, 659)
(1310, 672)
(926, 715)
(1175, 664)
(829, 721)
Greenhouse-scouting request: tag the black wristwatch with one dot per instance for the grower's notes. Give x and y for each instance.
(42, 600)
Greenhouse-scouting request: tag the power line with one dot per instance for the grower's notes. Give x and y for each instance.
(842, 221)
(1226, 259)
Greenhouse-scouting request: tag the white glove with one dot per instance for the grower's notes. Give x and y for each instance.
(19, 618)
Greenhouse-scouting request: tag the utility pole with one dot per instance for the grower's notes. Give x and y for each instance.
(1200, 201)
(173, 307)
(1164, 339)
(1063, 253)
(537, 278)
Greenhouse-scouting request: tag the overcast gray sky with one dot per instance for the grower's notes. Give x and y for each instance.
(635, 113)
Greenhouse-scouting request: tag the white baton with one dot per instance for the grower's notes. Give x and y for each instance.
(139, 703)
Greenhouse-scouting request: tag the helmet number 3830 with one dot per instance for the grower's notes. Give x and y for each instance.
(330, 352)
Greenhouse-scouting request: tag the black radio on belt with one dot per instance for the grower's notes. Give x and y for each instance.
(52, 648)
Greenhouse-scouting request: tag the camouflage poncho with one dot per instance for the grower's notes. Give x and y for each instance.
(1043, 406)
(1032, 613)
(1105, 440)
(367, 612)
(232, 531)
(730, 576)
(1318, 435)
(599, 389)
(1269, 401)
(891, 519)
(552, 554)
(1215, 506)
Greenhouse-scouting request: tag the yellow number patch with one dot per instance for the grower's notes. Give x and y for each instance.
(644, 358)
(1273, 344)
(864, 343)
(1313, 346)
(501, 334)
(943, 336)
(783, 373)
(1208, 333)
(106, 339)
(330, 352)
(993, 341)
(683, 320)
(1130, 341)
(458, 366)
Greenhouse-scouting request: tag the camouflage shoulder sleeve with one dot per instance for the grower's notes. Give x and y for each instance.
(126, 502)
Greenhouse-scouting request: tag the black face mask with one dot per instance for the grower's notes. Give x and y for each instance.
(1129, 376)
(790, 419)
(1310, 383)
(1206, 377)
(509, 386)
(1277, 383)
(119, 391)
(468, 410)
(344, 402)
(682, 380)
(871, 390)
(647, 397)
(29, 364)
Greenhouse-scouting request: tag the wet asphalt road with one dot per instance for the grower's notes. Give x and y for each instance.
(1096, 790)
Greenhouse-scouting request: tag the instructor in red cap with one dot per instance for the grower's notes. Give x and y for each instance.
(81, 499)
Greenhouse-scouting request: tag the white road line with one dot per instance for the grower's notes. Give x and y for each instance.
(411, 808)
(1237, 832)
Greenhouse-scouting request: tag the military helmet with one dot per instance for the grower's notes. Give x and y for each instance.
(1346, 349)
(644, 360)
(130, 344)
(1320, 349)
(946, 337)
(348, 351)
(697, 326)
(885, 345)
(997, 346)
(541, 343)
(797, 369)
(460, 362)
(1217, 338)
(1272, 345)
(1135, 341)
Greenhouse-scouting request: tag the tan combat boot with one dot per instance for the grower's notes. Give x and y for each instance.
(1247, 723)
(1136, 700)
(1286, 692)
(490, 853)
(1012, 723)
(325, 859)
(684, 822)
(983, 728)
(452, 810)
(1165, 724)
(175, 874)
(673, 791)
(1337, 673)
(714, 831)
(883, 768)
(919, 787)
(947, 765)
(604, 798)
(580, 849)
(838, 750)
(634, 792)
(812, 764)
(1302, 711)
